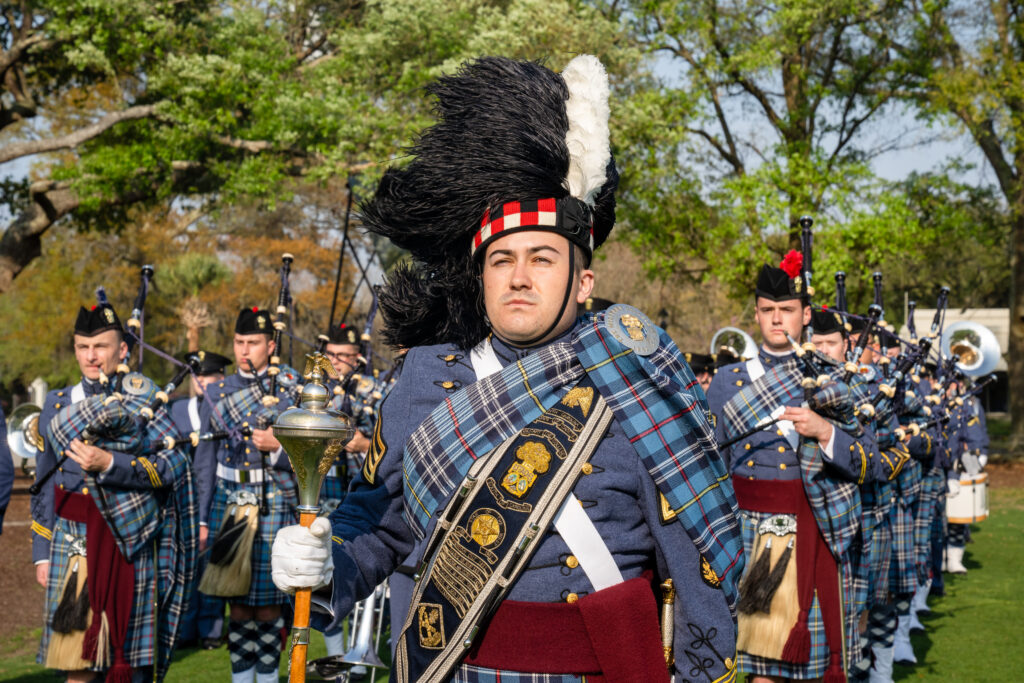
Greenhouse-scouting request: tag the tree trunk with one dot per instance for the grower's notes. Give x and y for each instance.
(1015, 354)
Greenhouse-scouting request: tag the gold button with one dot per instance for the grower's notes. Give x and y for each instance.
(735, 369)
(246, 463)
(249, 414)
(62, 488)
(851, 449)
(60, 393)
(782, 449)
(779, 432)
(728, 662)
(739, 383)
(222, 394)
(587, 468)
(245, 424)
(746, 446)
(248, 450)
(750, 478)
(572, 598)
(56, 405)
(85, 490)
(571, 562)
(782, 465)
(750, 463)
(133, 463)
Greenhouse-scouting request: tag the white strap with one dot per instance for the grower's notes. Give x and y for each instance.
(77, 393)
(231, 474)
(193, 413)
(586, 544)
(485, 361)
(755, 368)
(572, 522)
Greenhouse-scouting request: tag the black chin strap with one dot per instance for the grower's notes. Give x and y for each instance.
(565, 302)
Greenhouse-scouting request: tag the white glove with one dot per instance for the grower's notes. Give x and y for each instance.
(301, 556)
(952, 489)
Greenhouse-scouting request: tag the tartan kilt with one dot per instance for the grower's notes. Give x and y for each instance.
(902, 569)
(759, 666)
(467, 673)
(139, 642)
(281, 502)
(932, 486)
(871, 584)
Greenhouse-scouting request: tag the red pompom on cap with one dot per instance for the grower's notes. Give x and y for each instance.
(255, 309)
(93, 307)
(792, 263)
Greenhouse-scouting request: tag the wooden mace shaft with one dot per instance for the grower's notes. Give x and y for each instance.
(300, 624)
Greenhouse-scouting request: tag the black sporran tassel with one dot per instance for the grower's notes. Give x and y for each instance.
(72, 611)
(758, 574)
(766, 592)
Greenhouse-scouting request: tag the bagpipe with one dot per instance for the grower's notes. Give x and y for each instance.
(255, 406)
(128, 417)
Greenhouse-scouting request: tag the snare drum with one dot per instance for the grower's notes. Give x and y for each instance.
(970, 504)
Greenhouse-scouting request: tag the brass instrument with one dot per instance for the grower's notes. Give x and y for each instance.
(976, 346)
(736, 340)
(23, 435)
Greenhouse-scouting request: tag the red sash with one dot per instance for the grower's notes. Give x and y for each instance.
(610, 635)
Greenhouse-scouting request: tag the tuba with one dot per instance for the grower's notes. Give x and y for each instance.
(735, 340)
(976, 346)
(23, 436)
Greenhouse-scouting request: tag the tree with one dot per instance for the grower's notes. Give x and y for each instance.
(966, 65)
(756, 114)
(224, 102)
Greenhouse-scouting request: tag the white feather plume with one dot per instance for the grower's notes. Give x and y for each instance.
(587, 137)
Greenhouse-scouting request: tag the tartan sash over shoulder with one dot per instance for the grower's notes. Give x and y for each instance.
(655, 399)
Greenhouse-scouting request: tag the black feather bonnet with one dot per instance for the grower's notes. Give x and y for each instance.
(516, 146)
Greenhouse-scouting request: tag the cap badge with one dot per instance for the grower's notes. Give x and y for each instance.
(261, 321)
(109, 315)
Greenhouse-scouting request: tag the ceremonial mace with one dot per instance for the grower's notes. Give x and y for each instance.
(312, 436)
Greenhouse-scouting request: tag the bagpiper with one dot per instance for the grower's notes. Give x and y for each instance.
(570, 458)
(247, 492)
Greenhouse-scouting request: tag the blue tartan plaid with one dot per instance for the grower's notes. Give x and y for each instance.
(477, 674)
(902, 566)
(246, 404)
(933, 486)
(655, 399)
(281, 501)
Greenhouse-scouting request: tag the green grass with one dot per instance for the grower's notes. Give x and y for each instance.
(17, 662)
(971, 633)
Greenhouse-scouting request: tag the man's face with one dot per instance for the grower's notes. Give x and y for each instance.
(832, 345)
(704, 379)
(200, 382)
(99, 353)
(252, 347)
(344, 357)
(779, 318)
(893, 352)
(524, 277)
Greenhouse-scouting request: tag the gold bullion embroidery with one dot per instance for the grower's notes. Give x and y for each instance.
(548, 436)
(708, 574)
(533, 458)
(377, 450)
(667, 513)
(563, 422)
(459, 574)
(503, 502)
(430, 620)
(580, 396)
